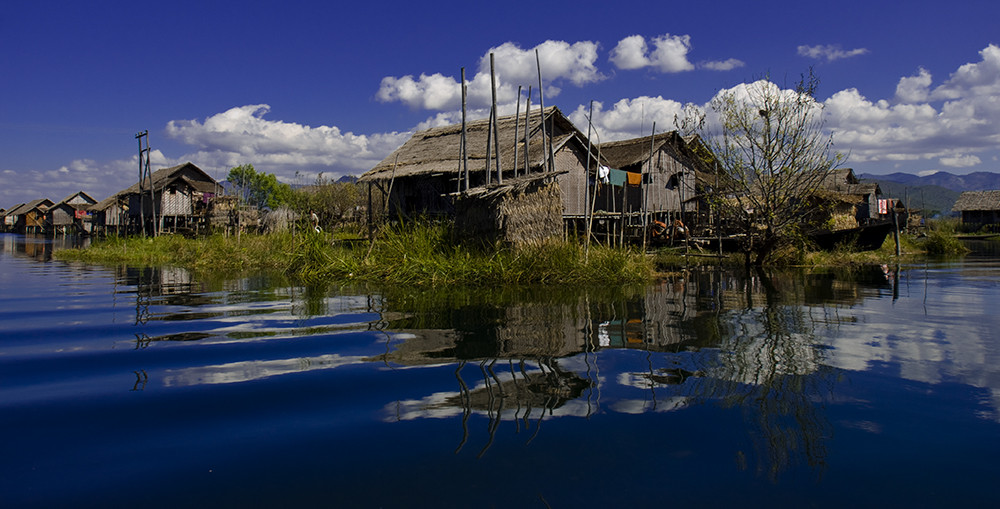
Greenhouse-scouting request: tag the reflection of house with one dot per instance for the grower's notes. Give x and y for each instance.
(979, 208)
(71, 214)
(180, 196)
(673, 177)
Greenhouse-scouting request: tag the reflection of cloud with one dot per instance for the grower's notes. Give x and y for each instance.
(254, 370)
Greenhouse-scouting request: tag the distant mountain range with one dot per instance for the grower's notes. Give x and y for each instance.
(935, 193)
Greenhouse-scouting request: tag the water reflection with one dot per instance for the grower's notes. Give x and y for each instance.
(491, 366)
(706, 337)
(39, 247)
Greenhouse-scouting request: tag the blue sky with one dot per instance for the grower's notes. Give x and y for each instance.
(297, 88)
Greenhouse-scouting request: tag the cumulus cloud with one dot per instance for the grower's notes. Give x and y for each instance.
(242, 134)
(669, 53)
(914, 89)
(950, 123)
(628, 118)
(560, 62)
(829, 52)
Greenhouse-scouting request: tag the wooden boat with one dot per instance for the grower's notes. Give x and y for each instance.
(863, 238)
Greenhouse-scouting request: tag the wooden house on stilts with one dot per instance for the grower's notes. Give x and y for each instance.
(541, 179)
(664, 177)
(71, 214)
(178, 201)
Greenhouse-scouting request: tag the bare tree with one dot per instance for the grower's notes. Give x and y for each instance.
(773, 154)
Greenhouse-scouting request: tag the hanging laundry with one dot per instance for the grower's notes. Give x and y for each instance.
(634, 179)
(602, 174)
(617, 177)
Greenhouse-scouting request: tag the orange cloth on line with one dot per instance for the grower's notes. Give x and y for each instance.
(634, 179)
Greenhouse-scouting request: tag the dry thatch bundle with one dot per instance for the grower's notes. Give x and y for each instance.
(523, 212)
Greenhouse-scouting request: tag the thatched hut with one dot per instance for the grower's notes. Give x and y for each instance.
(423, 176)
(979, 208)
(673, 177)
(180, 197)
(522, 212)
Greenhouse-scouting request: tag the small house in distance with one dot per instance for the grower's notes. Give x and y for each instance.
(180, 197)
(979, 209)
(29, 217)
(71, 214)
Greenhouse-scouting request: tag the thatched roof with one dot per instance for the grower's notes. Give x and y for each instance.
(164, 177)
(436, 150)
(625, 153)
(843, 181)
(42, 204)
(977, 200)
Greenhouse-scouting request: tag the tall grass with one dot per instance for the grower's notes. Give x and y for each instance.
(423, 254)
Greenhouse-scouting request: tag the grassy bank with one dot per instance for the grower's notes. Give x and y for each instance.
(428, 254)
(421, 255)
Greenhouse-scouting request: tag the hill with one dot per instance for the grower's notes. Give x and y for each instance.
(934, 193)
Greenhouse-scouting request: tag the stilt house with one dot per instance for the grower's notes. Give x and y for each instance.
(541, 179)
(664, 176)
(178, 200)
(421, 176)
(979, 209)
(71, 214)
(29, 217)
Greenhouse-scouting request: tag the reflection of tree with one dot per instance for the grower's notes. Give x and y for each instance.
(769, 365)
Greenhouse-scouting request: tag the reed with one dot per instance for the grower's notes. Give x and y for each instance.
(422, 254)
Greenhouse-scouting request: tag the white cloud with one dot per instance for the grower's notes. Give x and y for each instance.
(669, 53)
(980, 79)
(628, 118)
(829, 52)
(560, 61)
(950, 123)
(960, 161)
(914, 89)
(97, 179)
(725, 65)
(242, 135)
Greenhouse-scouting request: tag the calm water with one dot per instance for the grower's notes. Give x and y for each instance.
(137, 387)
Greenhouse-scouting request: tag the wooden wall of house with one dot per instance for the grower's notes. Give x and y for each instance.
(176, 202)
(62, 215)
(573, 183)
(667, 183)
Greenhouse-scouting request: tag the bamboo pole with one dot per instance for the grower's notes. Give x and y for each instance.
(527, 131)
(517, 120)
(464, 151)
(645, 191)
(489, 144)
(586, 175)
(541, 102)
(496, 127)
